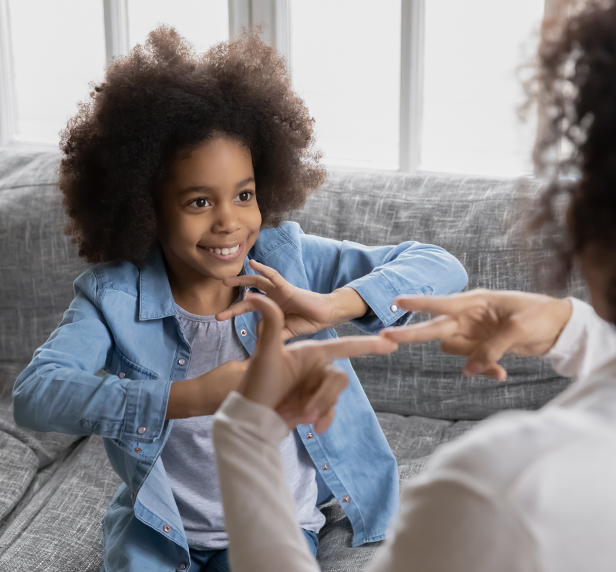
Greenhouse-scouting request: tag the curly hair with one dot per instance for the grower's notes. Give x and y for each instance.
(575, 87)
(164, 99)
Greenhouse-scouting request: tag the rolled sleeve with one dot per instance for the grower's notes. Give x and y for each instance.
(146, 410)
(379, 274)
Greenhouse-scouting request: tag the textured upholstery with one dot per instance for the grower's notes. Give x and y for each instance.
(54, 488)
(471, 219)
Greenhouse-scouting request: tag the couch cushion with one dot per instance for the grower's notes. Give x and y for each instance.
(24, 455)
(471, 219)
(60, 528)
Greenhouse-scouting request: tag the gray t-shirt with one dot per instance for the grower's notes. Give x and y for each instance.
(189, 457)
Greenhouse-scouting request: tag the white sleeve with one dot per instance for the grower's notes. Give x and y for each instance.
(586, 343)
(446, 526)
(260, 514)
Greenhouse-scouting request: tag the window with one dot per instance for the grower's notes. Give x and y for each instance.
(53, 57)
(471, 89)
(345, 62)
(202, 23)
(406, 85)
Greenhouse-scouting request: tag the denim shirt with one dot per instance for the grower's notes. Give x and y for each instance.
(108, 367)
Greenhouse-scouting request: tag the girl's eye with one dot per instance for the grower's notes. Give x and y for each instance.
(200, 203)
(244, 196)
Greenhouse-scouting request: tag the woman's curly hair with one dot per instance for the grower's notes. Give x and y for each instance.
(575, 87)
(163, 99)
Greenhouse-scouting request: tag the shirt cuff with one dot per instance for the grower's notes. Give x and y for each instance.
(260, 420)
(569, 340)
(378, 292)
(146, 409)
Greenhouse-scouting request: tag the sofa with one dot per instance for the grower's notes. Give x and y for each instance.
(55, 488)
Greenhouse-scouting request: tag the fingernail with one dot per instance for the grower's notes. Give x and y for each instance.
(472, 369)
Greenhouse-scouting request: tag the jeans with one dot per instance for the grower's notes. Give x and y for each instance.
(217, 561)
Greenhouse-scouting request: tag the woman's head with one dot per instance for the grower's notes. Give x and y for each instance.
(145, 129)
(576, 89)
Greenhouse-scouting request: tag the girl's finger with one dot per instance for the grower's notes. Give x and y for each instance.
(269, 273)
(243, 307)
(441, 327)
(250, 281)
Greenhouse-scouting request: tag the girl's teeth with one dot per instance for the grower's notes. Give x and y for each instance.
(225, 251)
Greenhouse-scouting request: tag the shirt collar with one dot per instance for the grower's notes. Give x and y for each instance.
(155, 297)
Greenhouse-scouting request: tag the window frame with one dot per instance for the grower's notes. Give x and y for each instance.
(275, 16)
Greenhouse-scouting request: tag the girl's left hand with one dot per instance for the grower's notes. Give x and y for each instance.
(305, 312)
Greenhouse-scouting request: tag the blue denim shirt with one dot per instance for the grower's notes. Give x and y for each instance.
(108, 367)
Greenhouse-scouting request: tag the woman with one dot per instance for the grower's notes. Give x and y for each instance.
(525, 491)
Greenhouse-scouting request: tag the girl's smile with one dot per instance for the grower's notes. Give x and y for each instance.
(223, 252)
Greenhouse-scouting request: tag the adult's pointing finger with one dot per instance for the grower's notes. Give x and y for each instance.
(441, 327)
(349, 346)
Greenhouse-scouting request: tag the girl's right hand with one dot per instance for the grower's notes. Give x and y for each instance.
(485, 324)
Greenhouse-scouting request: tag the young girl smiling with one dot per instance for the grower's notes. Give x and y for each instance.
(176, 176)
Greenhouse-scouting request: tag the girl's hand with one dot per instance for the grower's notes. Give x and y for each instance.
(485, 324)
(299, 381)
(305, 312)
(203, 395)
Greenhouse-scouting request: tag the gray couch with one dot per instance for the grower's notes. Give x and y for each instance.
(54, 488)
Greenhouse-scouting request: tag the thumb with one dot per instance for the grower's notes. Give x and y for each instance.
(271, 325)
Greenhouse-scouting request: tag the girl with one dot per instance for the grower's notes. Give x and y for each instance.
(176, 176)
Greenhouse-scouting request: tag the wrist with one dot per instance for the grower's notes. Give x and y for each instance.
(347, 305)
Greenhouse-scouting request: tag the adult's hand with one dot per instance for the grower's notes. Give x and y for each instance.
(298, 380)
(485, 324)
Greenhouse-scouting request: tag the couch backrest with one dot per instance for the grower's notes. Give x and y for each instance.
(37, 262)
(465, 216)
(470, 218)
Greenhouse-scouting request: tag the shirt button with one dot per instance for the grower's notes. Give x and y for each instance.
(346, 498)
(141, 430)
(121, 375)
(243, 332)
(325, 467)
(181, 361)
(138, 449)
(393, 308)
(133, 496)
(166, 527)
(182, 566)
(309, 436)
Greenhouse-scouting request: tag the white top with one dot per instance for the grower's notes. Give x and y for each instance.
(522, 492)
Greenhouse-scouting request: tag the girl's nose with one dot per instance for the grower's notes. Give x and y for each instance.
(225, 219)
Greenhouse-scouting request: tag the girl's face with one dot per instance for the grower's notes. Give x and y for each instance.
(208, 216)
